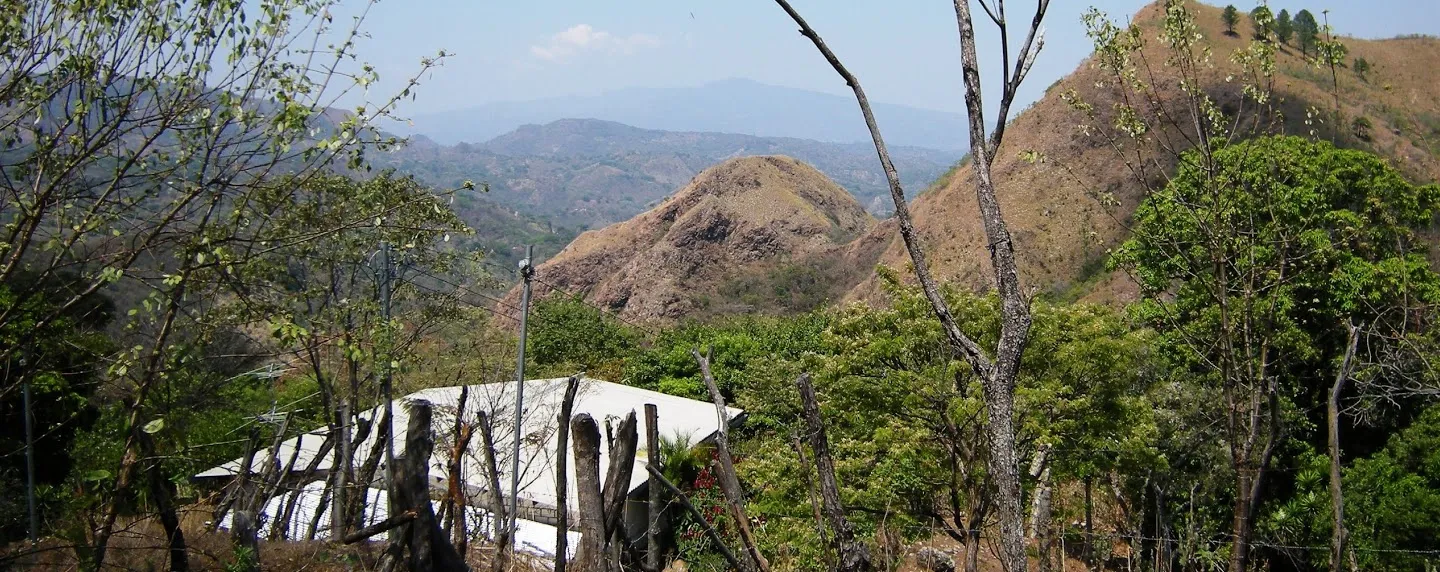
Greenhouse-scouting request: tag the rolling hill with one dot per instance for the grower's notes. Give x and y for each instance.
(728, 106)
(746, 217)
(584, 173)
(1063, 231)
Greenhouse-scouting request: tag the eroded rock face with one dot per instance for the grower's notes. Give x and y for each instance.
(741, 216)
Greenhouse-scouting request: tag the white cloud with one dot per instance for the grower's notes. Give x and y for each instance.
(585, 38)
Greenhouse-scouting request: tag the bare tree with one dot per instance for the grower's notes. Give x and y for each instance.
(853, 555)
(999, 369)
(725, 465)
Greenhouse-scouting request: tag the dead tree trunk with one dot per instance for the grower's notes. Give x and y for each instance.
(162, 493)
(652, 459)
(700, 518)
(587, 486)
(500, 532)
(430, 548)
(729, 482)
(999, 373)
(852, 554)
(459, 532)
(617, 486)
(562, 487)
(1332, 414)
(617, 478)
(276, 520)
(310, 469)
(235, 492)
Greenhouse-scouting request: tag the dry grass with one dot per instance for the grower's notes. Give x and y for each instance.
(743, 217)
(1060, 228)
(139, 546)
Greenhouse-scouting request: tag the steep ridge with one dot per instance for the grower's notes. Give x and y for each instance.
(742, 217)
(1063, 232)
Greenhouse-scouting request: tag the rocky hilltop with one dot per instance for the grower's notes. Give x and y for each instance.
(742, 217)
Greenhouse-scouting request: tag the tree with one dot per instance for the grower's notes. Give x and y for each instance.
(1230, 16)
(1361, 67)
(1253, 260)
(1396, 496)
(136, 136)
(1307, 30)
(1188, 130)
(1263, 22)
(1284, 27)
(998, 369)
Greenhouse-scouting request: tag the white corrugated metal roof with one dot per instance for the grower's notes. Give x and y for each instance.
(602, 400)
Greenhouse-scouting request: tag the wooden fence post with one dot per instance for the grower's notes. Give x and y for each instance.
(586, 435)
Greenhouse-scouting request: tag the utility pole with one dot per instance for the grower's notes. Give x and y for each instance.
(527, 271)
(29, 457)
(385, 389)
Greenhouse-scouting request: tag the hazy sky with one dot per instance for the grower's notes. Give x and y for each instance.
(903, 51)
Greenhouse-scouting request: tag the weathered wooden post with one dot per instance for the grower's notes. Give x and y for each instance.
(587, 486)
(562, 489)
(652, 459)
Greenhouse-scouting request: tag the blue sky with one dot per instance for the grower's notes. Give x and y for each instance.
(903, 51)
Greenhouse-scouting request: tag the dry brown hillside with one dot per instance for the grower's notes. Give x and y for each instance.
(742, 218)
(752, 230)
(1062, 233)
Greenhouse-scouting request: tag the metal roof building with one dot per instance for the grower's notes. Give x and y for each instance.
(606, 402)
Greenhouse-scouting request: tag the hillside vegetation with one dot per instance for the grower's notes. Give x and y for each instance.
(1068, 197)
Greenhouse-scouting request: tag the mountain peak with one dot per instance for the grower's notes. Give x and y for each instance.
(741, 217)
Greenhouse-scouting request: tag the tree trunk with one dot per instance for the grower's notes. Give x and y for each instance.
(430, 548)
(729, 482)
(562, 488)
(972, 549)
(338, 470)
(586, 435)
(1088, 553)
(162, 493)
(652, 459)
(617, 478)
(700, 518)
(852, 555)
(500, 533)
(235, 492)
(998, 376)
(459, 531)
(1332, 414)
(1040, 519)
(1240, 523)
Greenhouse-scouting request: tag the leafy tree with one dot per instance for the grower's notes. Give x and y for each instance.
(907, 418)
(1395, 495)
(137, 137)
(1307, 30)
(1230, 17)
(1263, 22)
(1284, 27)
(1329, 233)
(1361, 67)
(62, 364)
(568, 335)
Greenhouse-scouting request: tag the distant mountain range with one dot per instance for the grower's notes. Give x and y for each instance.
(730, 106)
(585, 173)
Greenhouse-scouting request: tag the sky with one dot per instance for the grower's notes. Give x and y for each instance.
(903, 51)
